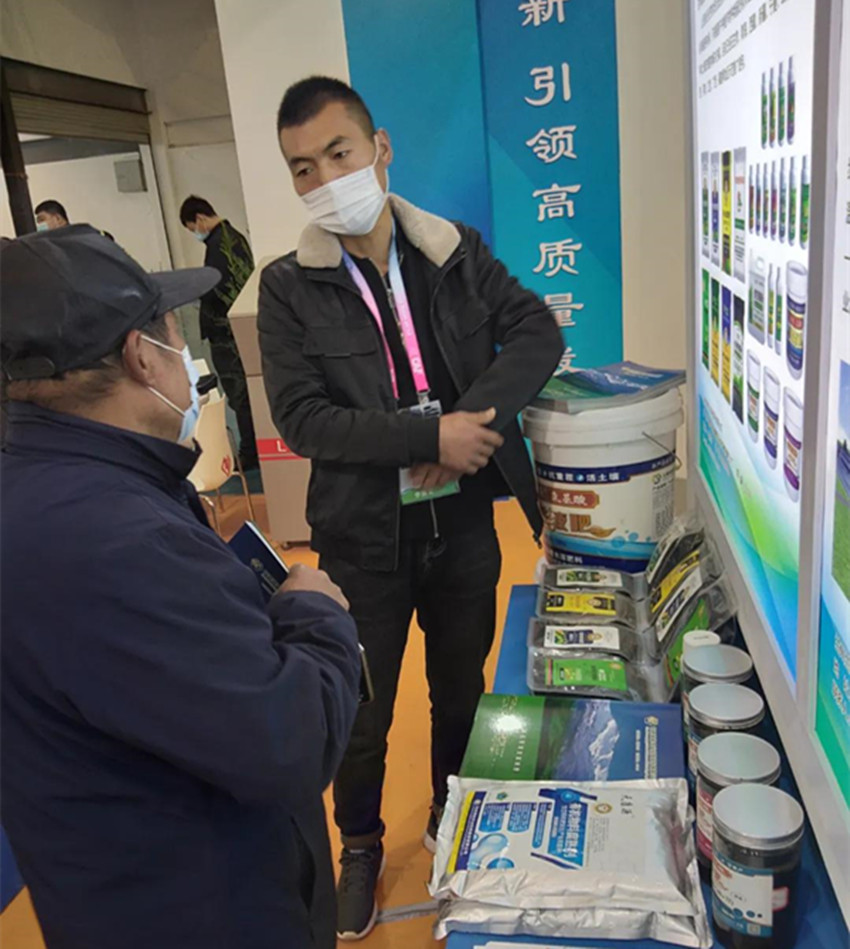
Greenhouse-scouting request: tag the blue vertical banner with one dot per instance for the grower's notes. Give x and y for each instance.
(550, 104)
(417, 65)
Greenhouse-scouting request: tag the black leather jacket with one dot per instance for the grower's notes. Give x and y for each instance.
(329, 389)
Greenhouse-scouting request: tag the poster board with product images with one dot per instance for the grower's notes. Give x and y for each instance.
(764, 347)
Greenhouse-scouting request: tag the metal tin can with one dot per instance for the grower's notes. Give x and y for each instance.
(758, 832)
(720, 707)
(722, 760)
(712, 664)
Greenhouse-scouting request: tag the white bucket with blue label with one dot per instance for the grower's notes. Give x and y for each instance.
(606, 480)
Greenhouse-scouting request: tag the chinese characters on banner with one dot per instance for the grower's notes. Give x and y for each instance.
(550, 94)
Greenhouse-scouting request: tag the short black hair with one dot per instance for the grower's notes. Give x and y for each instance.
(192, 207)
(306, 99)
(51, 207)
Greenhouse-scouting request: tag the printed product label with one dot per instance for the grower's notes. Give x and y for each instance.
(598, 673)
(771, 430)
(582, 637)
(699, 619)
(791, 466)
(661, 551)
(753, 398)
(672, 580)
(705, 820)
(693, 752)
(606, 579)
(582, 604)
(630, 503)
(796, 321)
(552, 829)
(688, 588)
(743, 898)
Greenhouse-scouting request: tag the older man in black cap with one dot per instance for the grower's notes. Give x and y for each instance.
(166, 738)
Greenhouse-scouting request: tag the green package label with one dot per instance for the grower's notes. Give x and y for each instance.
(598, 673)
(673, 660)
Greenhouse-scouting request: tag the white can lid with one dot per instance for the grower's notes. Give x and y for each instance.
(733, 758)
(723, 706)
(697, 638)
(758, 816)
(718, 663)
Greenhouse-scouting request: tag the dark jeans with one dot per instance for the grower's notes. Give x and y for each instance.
(451, 584)
(231, 374)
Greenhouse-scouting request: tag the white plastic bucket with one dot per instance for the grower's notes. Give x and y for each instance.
(605, 480)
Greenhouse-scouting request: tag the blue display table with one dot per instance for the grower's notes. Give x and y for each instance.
(822, 926)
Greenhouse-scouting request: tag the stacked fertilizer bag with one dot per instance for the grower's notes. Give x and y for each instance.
(623, 583)
(589, 860)
(604, 633)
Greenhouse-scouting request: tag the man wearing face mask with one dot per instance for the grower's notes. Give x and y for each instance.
(166, 737)
(229, 253)
(397, 353)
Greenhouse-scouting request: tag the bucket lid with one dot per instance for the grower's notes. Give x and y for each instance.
(624, 423)
(732, 758)
(718, 663)
(725, 706)
(758, 816)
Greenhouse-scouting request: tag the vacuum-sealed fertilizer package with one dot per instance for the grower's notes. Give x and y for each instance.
(570, 638)
(590, 673)
(619, 845)
(595, 922)
(590, 579)
(571, 606)
(681, 537)
(703, 561)
(715, 600)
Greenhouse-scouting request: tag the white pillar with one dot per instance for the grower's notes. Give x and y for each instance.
(267, 45)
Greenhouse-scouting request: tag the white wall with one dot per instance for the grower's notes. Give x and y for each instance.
(653, 162)
(88, 189)
(211, 171)
(169, 48)
(267, 45)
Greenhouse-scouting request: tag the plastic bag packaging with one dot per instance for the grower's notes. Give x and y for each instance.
(569, 638)
(595, 922)
(684, 535)
(703, 559)
(693, 606)
(582, 847)
(712, 609)
(592, 607)
(595, 675)
(591, 579)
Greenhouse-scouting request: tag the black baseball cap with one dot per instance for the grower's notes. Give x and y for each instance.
(70, 296)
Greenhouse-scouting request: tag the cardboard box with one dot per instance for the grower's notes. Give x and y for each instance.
(285, 475)
(543, 738)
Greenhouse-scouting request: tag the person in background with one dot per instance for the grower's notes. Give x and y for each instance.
(166, 736)
(49, 215)
(397, 354)
(227, 250)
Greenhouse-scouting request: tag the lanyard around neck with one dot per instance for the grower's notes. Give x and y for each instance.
(403, 314)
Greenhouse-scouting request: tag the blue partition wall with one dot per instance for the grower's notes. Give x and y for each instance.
(504, 115)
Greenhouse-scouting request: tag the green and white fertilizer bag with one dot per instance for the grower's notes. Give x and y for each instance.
(590, 579)
(569, 639)
(597, 859)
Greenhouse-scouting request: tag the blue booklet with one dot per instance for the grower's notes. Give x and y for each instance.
(621, 383)
(252, 548)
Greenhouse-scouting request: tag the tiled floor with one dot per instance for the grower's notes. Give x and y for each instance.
(407, 791)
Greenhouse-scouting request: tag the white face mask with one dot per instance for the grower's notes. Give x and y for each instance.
(190, 414)
(200, 236)
(350, 205)
(42, 226)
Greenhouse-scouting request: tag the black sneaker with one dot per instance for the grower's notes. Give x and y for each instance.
(356, 906)
(429, 841)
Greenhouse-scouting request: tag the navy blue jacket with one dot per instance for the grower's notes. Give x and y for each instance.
(165, 739)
